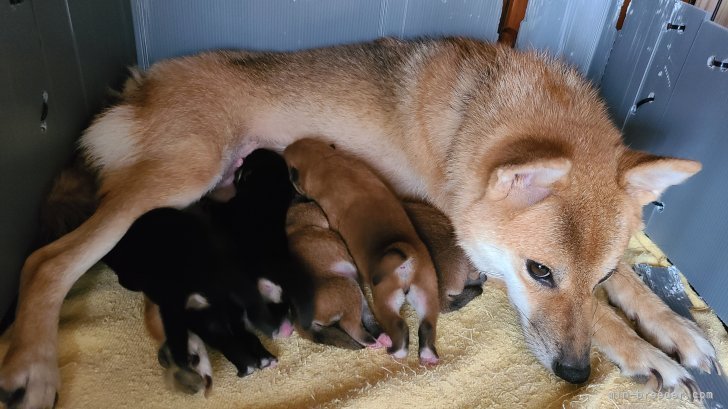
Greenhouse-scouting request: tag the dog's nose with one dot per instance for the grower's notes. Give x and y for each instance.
(571, 374)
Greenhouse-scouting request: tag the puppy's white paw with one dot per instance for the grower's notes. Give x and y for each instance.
(194, 377)
(201, 366)
(29, 383)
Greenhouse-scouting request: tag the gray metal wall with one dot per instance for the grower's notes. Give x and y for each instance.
(169, 28)
(71, 51)
(580, 31)
(688, 118)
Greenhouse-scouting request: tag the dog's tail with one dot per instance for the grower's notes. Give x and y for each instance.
(71, 200)
(397, 257)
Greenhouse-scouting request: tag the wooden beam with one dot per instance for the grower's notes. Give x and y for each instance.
(513, 13)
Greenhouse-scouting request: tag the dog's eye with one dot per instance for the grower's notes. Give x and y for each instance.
(540, 273)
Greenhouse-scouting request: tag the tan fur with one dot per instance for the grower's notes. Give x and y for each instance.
(153, 321)
(449, 121)
(455, 272)
(338, 298)
(390, 256)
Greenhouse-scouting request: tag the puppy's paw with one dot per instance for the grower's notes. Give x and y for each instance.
(262, 363)
(383, 341)
(428, 357)
(680, 337)
(29, 382)
(192, 378)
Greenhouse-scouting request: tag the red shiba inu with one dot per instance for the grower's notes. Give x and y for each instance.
(515, 148)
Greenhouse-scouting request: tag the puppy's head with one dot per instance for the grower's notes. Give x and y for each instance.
(301, 156)
(552, 220)
(268, 310)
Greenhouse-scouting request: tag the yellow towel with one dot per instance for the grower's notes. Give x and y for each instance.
(107, 361)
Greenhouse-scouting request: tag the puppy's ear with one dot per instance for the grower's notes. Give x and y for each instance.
(270, 291)
(645, 177)
(526, 184)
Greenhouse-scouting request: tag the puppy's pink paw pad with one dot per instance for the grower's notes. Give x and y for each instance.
(428, 358)
(384, 340)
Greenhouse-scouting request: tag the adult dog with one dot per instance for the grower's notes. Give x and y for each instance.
(515, 148)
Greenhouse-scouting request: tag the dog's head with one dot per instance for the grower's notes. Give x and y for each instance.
(552, 217)
(302, 156)
(263, 178)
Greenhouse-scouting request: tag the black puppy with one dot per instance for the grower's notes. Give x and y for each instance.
(212, 270)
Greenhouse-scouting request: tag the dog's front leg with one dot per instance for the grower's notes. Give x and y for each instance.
(635, 356)
(660, 325)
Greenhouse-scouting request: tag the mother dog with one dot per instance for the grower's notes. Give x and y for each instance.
(515, 148)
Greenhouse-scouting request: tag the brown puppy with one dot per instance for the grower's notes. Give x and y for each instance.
(384, 244)
(322, 253)
(457, 278)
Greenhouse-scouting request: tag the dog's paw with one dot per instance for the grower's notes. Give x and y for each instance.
(429, 357)
(659, 371)
(29, 383)
(192, 378)
(261, 363)
(680, 337)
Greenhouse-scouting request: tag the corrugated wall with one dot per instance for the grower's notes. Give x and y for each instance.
(177, 27)
(666, 92)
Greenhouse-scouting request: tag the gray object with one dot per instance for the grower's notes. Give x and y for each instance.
(58, 59)
(582, 32)
(666, 283)
(172, 28)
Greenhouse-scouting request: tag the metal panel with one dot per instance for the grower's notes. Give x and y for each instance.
(176, 27)
(47, 49)
(23, 82)
(104, 43)
(693, 227)
(634, 48)
(688, 118)
(581, 31)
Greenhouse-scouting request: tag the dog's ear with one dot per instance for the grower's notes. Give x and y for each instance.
(646, 176)
(526, 184)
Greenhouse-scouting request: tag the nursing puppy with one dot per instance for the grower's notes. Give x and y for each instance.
(209, 269)
(338, 299)
(457, 278)
(514, 147)
(184, 266)
(390, 256)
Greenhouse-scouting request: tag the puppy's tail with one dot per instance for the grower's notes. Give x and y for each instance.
(397, 257)
(71, 200)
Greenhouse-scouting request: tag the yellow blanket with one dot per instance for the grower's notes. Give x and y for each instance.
(107, 361)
